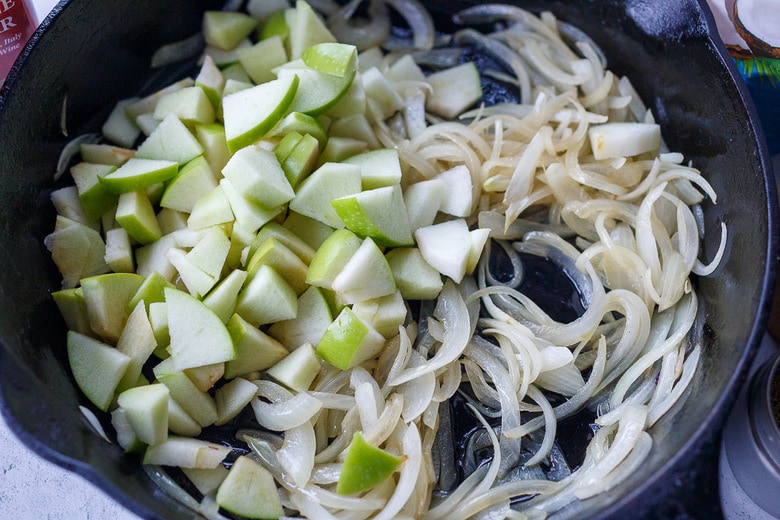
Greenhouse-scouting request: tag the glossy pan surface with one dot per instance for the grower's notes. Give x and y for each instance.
(90, 53)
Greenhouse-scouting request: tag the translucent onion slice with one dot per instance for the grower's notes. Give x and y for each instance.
(296, 455)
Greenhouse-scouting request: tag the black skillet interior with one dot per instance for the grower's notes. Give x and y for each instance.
(93, 52)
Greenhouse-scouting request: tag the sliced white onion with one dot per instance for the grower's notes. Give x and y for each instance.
(296, 455)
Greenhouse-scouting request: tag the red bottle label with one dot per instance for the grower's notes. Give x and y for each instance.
(17, 24)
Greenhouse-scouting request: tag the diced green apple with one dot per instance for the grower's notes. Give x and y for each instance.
(119, 251)
(314, 316)
(255, 350)
(210, 210)
(106, 297)
(366, 275)
(125, 435)
(211, 80)
(198, 336)
(259, 177)
(329, 181)
(153, 257)
(210, 252)
(67, 203)
(151, 290)
(423, 200)
(381, 91)
(414, 276)
(77, 250)
(137, 341)
(135, 213)
(612, 140)
(303, 124)
(298, 370)
(306, 29)
(365, 466)
(311, 231)
(334, 58)
(378, 168)
(249, 114)
(379, 213)
(198, 405)
(232, 397)
(339, 149)
(287, 237)
(301, 161)
(261, 58)
(180, 422)
(226, 29)
(248, 215)
(331, 257)
(214, 143)
(206, 376)
(119, 128)
(206, 480)
(446, 247)
(146, 104)
(223, 298)
(95, 198)
(170, 141)
(138, 174)
(84, 355)
(146, 409)
(102, 153)
(158, 319)
(454, 90)
(275, 24)
(274, 253)
(354, 126)
(249, 490)
(73, 309)
(184, 452)
(458, 198)
(193, 181)
(349, 341)
(479, 237)
(317, 91)
(385, 313)
(267, 298)
(191, 105)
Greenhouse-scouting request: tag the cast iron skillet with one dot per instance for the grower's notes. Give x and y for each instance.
(93, 52)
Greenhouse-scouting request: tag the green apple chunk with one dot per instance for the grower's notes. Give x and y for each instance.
(382, 92)
(454, 90)
(301, 160)
(317, 91)
(206, 480)
(210, 210)
(298, 370)
(77, 250)
(125, 435)
(339, 149)
(458, 196)
(226, 29)
(257, 174)
(379, 214)
(206, 376)
(197, 404)
(249, 490)
(423, 200)
(306, 29)
(151, 290)
(138, 174)
(119, 251)
(180, 422)
(170, 141)
(255, 350)
(214, 143)
(331, 257)
(95, 198)
(339, 59)
(223, 298)
(311, 231)
(274, 253)
(106, 297)
(365, 466)
(247, 214)
(301, 123)
(193, 181)
(329, 181)
(73, 309)
(366, 275)
(249, 114)
(210, 251)
(261, 58)
(119, 128)
(446, 247)
(349, 341)
(415, 278)
(385, 313)
(135, 213)
(146, 409)
(274, 24)
(352, 103)
(232, 397)
(313, 318)
(190, 104)
(184, 452)
(67, 203)
(211, 80)
(103, 153)
(138, 342)
(96, 366)
(146, 104)
(198, 336)
(158, 319)
(267, 298)
(478, 239)
(378, 168)
(287, 237)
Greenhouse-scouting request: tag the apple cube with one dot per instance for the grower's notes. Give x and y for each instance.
(366, 275)
(198, 336)
(446, 247)
(274, 253)
(102, 153)
(285, 236)
(214, 143)
(119, 128)
(77, 250)
(385, 314)
(329, 181)
(331, 257)
(226, 29)
(95, 198)
(73, 309)
(223, 298)
(249, 490)
(255, 350)
(317, 91)
(298, 370)
(210, 210)
(306, 29)
(211, 80)
(197, 404)
(146, 409)
(170, 141)
(301, 123)
(190, 104)
(378, 168)
(106, 297)
(137, 341)
(379, 213)
(365, 466)
(248, 215)
(314, 316)
(119, 251)
(139, 173)
(458, 196)
(206, 480)
(259, 177)
(180, 422)
(125, 435)
(454, 90)
(311, 231)
(193, 181)
(414, 276)
(135, 213)
(349, 341)
(423, 200)
(232, 397)
(84, 355)
(267, 298)
(261, 58)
